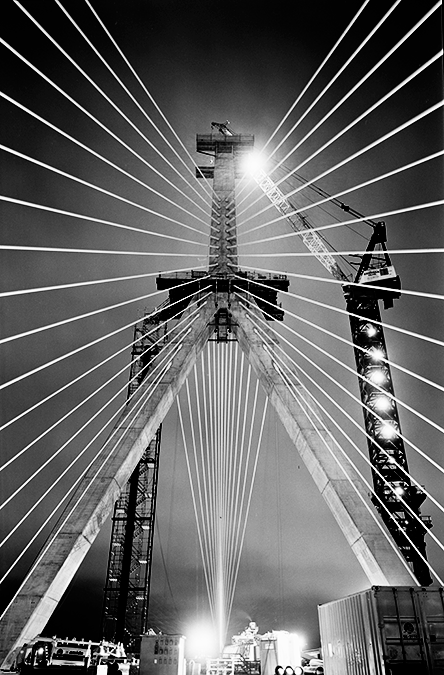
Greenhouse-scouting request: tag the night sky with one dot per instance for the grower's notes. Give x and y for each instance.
(201, 62)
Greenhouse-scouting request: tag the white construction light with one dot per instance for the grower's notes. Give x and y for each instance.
(253, 163)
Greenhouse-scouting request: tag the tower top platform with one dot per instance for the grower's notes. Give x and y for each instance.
(221, 143)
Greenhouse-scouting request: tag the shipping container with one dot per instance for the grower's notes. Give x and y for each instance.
(384, 631)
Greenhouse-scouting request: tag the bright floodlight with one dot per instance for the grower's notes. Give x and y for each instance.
(377, 354)
(201, 641)
(253, 162)
(377, 376)
(382, 403)
(387, 430)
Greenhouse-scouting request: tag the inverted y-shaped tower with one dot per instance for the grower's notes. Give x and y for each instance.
(214, 301)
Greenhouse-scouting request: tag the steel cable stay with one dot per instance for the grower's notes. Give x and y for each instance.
(91, 219)
(48, 490)
(334, 196)
(249, 473)
(205, 468)
(393, 364)
(82, 316)
(408, 475)
(364, 79)
(115, 107)
(205, 549)
(303, 403)
(117, 138)
(329, 280)
(90, 370)
(135, 101)
(101, 157)
(383, 324)
(349, 93)
(89, 397)
(378, 417)
(80, 284)
(209, 191)
(97, 188)
(49, 542)
(73, 462)
(348, 438)
(95, 251)
(198, 526)
(382, 214)
(304, 406)
(350, 158)
(226, 474)
(316, 73)
(247, 509)
(327, 87)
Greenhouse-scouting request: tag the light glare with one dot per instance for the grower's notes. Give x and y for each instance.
(253, 162)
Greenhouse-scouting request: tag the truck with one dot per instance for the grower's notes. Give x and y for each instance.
(384, 630)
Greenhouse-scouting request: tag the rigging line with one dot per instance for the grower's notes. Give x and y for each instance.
(92, 369)
(339, 310)
(209, 192)
(90, 396)
(303, 402)
(57, 480)
(349, 343)
(359, 402)
(82, 316)
(328, 280)
(80, 216)
(50, 539)
(383, 214)
(86, 346)
(116, 108)
(75, 179)
(241, 514)
(67, 494)
(349, 439)
(193, 492)
(352, 189)
(98, 155)
(127, 91)
(247, 510)
(361, 377)
(350, 158)
(364, 79)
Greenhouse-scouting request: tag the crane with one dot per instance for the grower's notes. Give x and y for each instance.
(395, 497)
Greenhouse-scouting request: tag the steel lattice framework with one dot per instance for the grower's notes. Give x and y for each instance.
(218, 301)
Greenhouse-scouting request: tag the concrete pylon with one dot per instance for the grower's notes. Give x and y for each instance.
(337, 480)
(94, 498)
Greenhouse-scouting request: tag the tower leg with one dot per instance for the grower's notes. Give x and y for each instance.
(94, 498)
(347, 499)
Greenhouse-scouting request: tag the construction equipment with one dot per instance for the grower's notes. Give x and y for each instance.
(395, 497)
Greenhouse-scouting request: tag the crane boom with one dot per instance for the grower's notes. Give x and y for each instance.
(299, 223)
(396, 499)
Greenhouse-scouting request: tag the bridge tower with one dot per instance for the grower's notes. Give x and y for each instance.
(213, 302)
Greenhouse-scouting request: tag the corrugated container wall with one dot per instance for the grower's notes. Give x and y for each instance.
(384, 631)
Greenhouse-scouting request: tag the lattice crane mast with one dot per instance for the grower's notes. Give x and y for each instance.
(395, 497)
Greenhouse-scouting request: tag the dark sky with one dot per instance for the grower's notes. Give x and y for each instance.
(206, 61)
